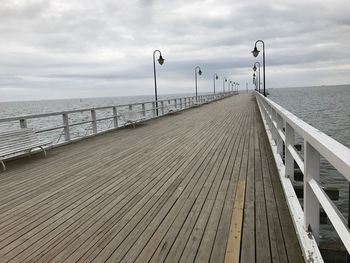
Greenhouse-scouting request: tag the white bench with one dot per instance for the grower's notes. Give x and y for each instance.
(16, 142)
(196, 104)
(131, 117)
(171, 109)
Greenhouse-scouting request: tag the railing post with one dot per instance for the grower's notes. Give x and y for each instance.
(66, 127)
(23, 123)
(288, 158)
(181, 103)
(154, 109)
(311, 204)
(279, 140)
(175, 103)
(273, 128)
(143, 110)
(130, 107)
(162, 105)
(93, 121)
(115, 117)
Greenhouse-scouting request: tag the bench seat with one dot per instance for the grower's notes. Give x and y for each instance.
(16, 142)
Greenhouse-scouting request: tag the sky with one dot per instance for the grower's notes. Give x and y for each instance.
(53, 49)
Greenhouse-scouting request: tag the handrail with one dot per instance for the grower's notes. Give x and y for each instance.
(147, 109)
(281, 126)
(31, 116)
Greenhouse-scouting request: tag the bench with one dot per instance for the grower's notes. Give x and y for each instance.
(17, 142)
(196, 104)
(171, 109)
(130, 117)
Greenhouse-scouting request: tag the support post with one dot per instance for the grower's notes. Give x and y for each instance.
(288, 158)
(279, 140)
(311, 204)
(23, 123)
(93, 121)
(162, 105)
(66, 127)
(143, 110)
(181, 103)
(154, 109)
(115, 117)
(273, 128)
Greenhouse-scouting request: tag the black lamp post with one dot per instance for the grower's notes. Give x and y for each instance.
(195, 76)
(254, 82)
(255, 54)
(254, 68)
(160, 61)
(215, 77)
(223, 83)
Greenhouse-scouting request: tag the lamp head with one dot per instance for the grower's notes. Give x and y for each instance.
(255, 52)
(161, 60)
(254, 68)
(200, 72)
(216, 77)
(254, 74)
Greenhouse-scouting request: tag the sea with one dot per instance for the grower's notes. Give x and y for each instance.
(327, 108)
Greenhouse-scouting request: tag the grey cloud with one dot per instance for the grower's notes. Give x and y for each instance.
(105, 43)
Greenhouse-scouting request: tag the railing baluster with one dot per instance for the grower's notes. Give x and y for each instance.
(279, 140)
(115, 117)
(154, 109)
(288, 158)
(162, 106)
(23, 123)
(311, 204)
(143, 109)
(66, 127)
(93, 121)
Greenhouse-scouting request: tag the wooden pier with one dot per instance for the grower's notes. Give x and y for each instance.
(197, 186)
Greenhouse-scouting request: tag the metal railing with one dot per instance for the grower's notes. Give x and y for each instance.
(282, 127)
(67, 126)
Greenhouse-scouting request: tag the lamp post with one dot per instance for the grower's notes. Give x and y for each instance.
(255, 54)
(254, 68)
(254, 82)
(160, 61)
(195, 76)
(223, 83)
(215, 77)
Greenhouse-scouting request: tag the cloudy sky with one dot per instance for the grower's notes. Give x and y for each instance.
(54, 49)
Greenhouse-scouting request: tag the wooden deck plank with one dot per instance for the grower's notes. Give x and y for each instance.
(179, 220)
(248, 229)
(171, 190)
(262, 242)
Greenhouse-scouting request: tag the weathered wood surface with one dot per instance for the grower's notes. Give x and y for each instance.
(199, 186)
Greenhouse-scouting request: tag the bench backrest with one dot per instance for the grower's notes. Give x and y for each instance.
(130, 115)
(17, 139)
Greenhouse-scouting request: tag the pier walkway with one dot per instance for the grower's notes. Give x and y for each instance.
(197, 186)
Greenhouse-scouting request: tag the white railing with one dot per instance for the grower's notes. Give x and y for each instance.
(281, 127)
(67, 126)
